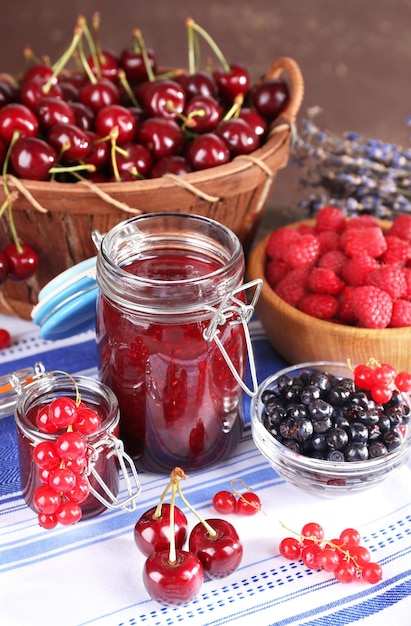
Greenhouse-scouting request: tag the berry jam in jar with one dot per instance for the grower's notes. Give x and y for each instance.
(171, 337)
(105, 452)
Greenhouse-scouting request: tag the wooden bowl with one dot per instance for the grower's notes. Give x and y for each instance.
(299, 337)
(57, 219)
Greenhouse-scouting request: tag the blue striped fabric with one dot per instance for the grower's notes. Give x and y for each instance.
(91, 573)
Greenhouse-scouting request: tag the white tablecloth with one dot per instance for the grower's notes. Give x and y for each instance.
(91, 573)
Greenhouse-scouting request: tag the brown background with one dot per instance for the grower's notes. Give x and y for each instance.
(355, 55)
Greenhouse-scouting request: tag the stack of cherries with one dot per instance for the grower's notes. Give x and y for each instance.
(173, 575)
(120, 118)
(62, 463)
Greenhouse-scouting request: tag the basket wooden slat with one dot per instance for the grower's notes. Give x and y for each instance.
(234, 194)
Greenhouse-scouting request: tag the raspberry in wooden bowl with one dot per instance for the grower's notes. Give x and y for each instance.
(305, 325)
(329, 445)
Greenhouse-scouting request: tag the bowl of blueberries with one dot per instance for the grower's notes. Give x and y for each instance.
(331, 429)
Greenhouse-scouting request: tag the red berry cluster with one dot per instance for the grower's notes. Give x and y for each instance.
(381, 380)
(5, 338)
(343, 556)
(349, 271)
(246, 503)
(173, 575)
(62, 463)
(119, 118)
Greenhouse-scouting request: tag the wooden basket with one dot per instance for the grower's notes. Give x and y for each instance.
(301, 338)
(57, 219)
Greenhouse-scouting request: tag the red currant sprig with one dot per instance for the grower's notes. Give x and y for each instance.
(344, 556)
(381, 380)
(62, 464)
(245, 503)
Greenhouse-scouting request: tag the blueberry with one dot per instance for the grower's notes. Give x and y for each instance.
(358, 432)
(338, 395)
(376, 449)
(309, 394)
(336, 455)
(319, 442)
(392, 439)
(356, 451)
(322, 426)
(320, 409)
(337, 438)
(304, 429)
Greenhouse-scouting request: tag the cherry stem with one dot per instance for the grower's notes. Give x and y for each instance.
(85, 64)
(324, 542)
(206, 525)
(235, 108)
(215, 48)
(10, 197)
(113, 138)
(191, 49)
(65, 57)
(172, 556)
(139, 37)
(88, 167)
(123, 80)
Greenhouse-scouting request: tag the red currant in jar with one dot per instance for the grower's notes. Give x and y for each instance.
(62, 412)
(71, 445)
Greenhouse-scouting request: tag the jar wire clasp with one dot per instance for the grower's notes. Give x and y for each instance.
(127, 467)
(232, 310)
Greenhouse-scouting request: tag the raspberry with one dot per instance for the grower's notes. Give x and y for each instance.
(324, 280)
(346, 310)
(292, 287)
(398, 250)
(329, 240)
(356, 240)
(407, 276)
(361, 221)
(373, 306)
(280, 240)
(320, 305)
(306, 229)
(275, 270)
(330, 218)
(302, 253)
(389, 278)
(357, 269)
(333, 260)
(401, 227)
(401, 314)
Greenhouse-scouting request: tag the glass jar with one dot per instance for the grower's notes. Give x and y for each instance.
(105, 452)
(172, 337)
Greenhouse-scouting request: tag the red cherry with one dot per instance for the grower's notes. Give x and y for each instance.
(4, 268)
(133, 64)
(70, 141)
(163, 137)
(7, 93)
(134, 162)
(238, 135)
(204, 113)
(163, 97)
(33, 91)
(220, 554)
(50, 111)
(198, 84)
(270, 97)
(39, 71)
(107, 65)
(99, 153)
(233, 83)
(17, 117)
(206, 151)
(121, 117)
(32, 158)
(84, 115)
(174, 164)
(22, 264)
(255, 120)
(173, 583)
(100, 94)
(152, 534)
(5, 338)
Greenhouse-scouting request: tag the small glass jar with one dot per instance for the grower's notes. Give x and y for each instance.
(105, 452)
(172, 337)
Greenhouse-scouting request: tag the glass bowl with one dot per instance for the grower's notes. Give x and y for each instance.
(318, 476)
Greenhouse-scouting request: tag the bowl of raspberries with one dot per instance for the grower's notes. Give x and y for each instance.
(332, 428)
(336, 287)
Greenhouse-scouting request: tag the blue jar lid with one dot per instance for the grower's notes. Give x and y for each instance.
(67, 304)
